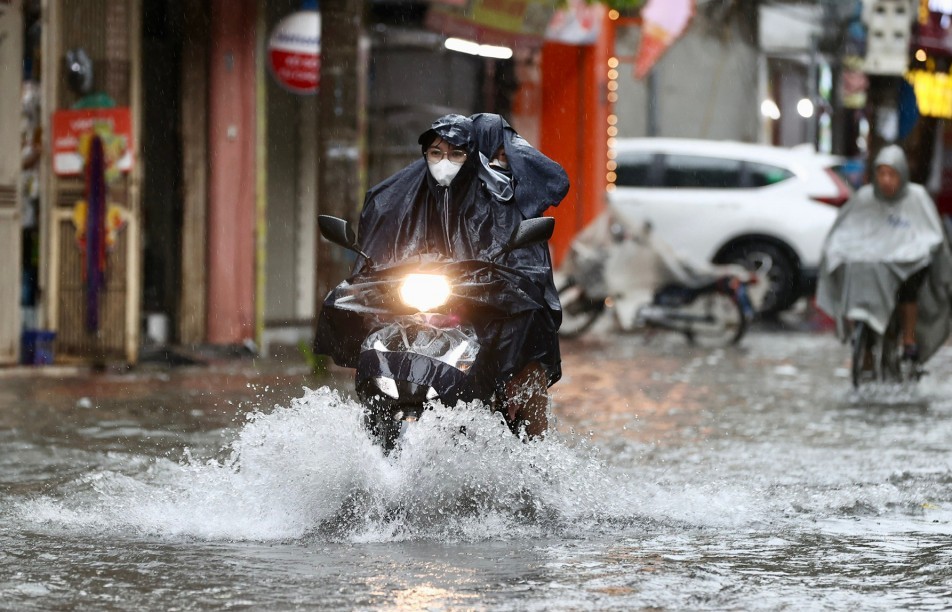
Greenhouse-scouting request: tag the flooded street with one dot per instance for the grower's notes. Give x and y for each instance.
(679, 478)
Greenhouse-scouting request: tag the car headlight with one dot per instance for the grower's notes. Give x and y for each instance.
(424, 291)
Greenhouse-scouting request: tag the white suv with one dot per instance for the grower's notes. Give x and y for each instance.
(765, 207)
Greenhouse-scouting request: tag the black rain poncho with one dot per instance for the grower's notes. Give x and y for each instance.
(538, 183)
(410, 218)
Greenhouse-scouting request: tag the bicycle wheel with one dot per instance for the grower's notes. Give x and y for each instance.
(716, 320)
(579, 312)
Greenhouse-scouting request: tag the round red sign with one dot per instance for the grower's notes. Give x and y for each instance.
(294, 52)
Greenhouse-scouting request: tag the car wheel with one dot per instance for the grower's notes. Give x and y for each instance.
(774, 265)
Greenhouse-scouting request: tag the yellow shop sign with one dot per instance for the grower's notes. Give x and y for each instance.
(933, 92)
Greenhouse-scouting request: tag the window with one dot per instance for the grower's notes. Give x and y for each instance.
(633, 170)
(761, 175)
(695, 171)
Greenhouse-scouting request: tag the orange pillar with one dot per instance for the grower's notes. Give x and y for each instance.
(231, 150)
(575, 113)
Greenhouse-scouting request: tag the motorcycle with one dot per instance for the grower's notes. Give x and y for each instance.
(874, 327)
(419, 344)
(612, 266)
(877, 357)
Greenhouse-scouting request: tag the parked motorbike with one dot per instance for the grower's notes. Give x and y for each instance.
(614, 267)
(420, 345)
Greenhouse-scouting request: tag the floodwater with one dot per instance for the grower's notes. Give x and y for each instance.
(677, 479)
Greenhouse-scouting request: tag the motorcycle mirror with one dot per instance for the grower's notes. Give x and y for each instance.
(337, 231)
(529, 232)
(341, 233)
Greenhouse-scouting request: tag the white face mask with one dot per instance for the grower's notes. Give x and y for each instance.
(498, 162)
(444, 171)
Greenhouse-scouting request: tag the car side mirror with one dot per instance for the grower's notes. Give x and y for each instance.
(529, 232)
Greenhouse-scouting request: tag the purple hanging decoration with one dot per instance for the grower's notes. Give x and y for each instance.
(95, 260)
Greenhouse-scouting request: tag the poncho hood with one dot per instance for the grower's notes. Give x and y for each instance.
(454, 129)
(539, 181)
(894, 157)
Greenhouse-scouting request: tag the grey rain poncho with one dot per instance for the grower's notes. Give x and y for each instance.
(875, 244)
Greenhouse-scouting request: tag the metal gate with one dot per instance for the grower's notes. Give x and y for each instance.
(109, 32)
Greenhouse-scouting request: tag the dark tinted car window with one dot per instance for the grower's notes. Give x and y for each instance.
(633, 169)
(762, 175)
(697, 171)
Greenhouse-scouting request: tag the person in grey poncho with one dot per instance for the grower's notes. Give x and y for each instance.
(887, 245)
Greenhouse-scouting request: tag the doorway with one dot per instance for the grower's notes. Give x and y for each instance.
(31, 148)
(162, 199)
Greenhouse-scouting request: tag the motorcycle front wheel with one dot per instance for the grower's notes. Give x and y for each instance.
(879, 358)
(383, 427)
(579, 312)
(859, 358)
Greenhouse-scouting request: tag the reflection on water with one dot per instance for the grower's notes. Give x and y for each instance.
(747, 478)
(426, 597)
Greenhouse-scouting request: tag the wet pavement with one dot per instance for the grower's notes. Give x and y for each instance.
(747, 478)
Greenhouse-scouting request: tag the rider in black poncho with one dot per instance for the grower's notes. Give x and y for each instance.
(469, 210)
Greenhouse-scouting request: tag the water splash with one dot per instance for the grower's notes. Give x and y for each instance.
(310, 470)
(888, 394)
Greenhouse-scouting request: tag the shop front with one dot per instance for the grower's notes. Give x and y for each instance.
(90, 222)
(930, 74)
(69, 224)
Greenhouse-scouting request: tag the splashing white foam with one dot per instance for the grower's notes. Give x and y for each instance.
(310, 468)
(888, 394)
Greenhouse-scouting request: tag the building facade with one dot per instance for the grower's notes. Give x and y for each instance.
(196, 226)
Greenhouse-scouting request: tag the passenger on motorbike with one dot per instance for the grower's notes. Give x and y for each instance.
(888, 248)
(445, 207)
(524, 183)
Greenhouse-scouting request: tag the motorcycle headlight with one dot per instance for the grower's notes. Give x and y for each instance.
(424, 291)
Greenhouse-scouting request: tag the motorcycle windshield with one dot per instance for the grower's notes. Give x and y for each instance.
(472, 283)
(375, 297)
(506, 309)
(435, 336)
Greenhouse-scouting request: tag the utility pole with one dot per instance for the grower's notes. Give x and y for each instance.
(341, 130)
(651, 86)
(813, 93)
